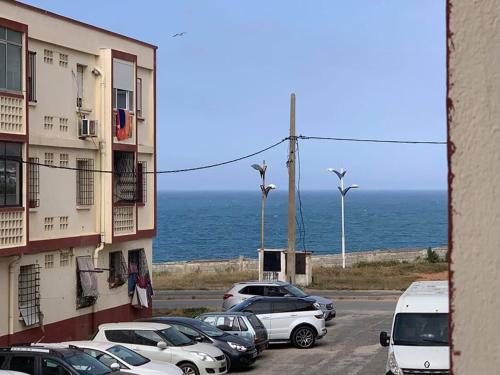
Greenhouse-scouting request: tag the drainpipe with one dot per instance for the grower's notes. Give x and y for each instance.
(12, 272)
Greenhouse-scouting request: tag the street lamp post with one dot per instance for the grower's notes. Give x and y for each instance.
(343, 193)
(265, 191)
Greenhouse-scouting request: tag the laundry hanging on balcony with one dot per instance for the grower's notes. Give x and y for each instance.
(123, 124)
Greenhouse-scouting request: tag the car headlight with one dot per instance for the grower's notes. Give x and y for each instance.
(393, 365)
(238, 347)
(204, 356)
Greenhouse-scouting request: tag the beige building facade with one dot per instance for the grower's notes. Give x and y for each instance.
(77, 196)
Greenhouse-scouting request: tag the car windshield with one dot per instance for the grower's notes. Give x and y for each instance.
(421, 329)
(128, 356)
(85, 364)
(208, 329)
(176, 338)
(294, 291)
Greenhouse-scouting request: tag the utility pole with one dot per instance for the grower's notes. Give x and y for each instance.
(290, 255)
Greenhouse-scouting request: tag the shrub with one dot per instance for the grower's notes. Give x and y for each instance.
(432, 256)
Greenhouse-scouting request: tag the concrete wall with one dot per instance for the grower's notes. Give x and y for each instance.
(246, 264)
(474, 134)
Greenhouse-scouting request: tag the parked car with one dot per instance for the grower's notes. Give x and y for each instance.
(162, 342)
(35, 360)
(419, 343)
(240, 352)
(243, 324)
(287, 319)
(8, 372)
(244, 290)
(127, 360)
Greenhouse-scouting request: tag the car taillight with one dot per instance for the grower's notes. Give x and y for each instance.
(227, 295)
(319, 316)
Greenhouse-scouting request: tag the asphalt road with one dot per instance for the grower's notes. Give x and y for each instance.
(350, 348)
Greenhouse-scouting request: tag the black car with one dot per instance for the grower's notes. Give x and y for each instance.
(240, 352)
(39, 360)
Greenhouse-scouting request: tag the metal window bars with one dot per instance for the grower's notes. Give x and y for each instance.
(29, 294)
(142, 184)
(85, 182)
(34, 182)
(125, 182)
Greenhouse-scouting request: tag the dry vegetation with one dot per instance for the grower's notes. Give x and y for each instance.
(362, 276)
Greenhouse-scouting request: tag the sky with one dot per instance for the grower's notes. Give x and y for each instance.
(360, 68)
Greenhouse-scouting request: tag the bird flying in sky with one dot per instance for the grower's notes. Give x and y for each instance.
(178, 34)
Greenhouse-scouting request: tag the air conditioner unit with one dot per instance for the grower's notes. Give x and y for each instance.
(87, 128)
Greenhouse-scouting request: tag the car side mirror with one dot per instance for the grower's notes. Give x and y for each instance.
(384, 339)
(114, 367)
(162, 345)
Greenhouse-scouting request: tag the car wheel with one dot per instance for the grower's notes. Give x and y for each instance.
(189, 369)
(304, 337)
(228, 362)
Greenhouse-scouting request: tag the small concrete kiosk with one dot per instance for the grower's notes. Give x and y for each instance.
(272, 266)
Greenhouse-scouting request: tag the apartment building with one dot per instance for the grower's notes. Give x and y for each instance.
(77, 196)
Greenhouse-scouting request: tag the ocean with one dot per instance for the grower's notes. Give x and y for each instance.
(222, 225)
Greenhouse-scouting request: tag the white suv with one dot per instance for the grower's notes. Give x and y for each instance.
(162, 342)
(287, 319)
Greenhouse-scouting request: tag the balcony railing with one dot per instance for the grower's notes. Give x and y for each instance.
(123, 220)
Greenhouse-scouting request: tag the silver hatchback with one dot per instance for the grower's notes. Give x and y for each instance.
(244, 290)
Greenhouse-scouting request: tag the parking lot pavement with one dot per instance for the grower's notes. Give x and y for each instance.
(351, 346)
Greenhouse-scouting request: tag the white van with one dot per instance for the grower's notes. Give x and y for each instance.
(418, 343)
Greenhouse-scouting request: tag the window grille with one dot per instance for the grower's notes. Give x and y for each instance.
(64, 259)
(63, 60)
(118, 273)
(48, 223)
(125, 183)
(85, 182)
(63, 160)
(32, 76)
(48, 56)
(29, 294)
(142, 183)
(63, 124)
(49, 261)
(49, 158)
(48, 122)
(86, 282)
(34, 182)
(63, 222)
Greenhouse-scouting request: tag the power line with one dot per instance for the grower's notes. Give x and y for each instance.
(208, 166)
(366, 140)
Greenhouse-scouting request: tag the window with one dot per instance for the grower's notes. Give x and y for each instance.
(52, 367)
(63, 222)
(80, 70)
(23, 364)
(149, 338)
(49, 261)
(272, 261)
(120, 335)
(273, 291)
(259, 307)
(84, 182)
(11, 43)
(229, 323)
(139, 97)
(253, 290)
(10, 174)
(243, 326)
(304, 306)
(34, 182)
(283, 306)
(63, 160)
(123, 84)
(118, 273)
(125, 183)
(49, 158)
(86, 287)
(189, 332)
(29, 294)
(63, 60)
(48, 56)
(128, 356)
(48, 122)
(102, 357)
(32, 76)
(300, 263)
(142, 182)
